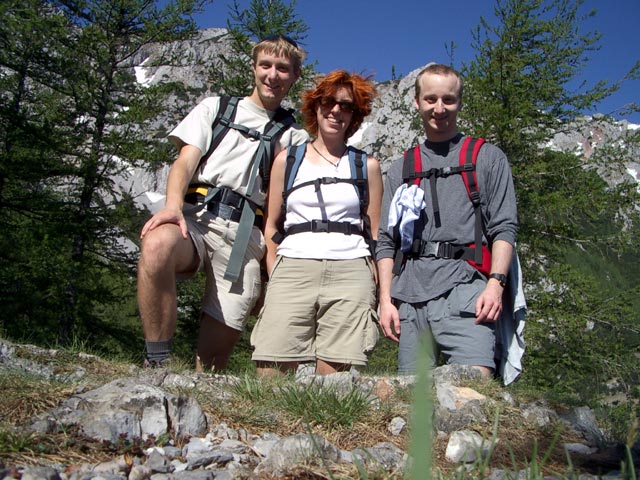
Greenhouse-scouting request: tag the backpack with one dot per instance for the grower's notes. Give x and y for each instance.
(261, 165)
(358, 166)
(412, 173)
(273, 130)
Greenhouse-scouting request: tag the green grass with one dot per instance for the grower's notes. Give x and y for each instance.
(314, 404)
(344, 415)
(327, 406)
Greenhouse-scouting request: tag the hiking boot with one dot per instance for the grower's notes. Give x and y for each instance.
(155, 364)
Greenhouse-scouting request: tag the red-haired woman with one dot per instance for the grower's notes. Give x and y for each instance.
(320, 300)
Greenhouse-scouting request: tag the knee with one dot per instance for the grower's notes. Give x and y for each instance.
(486, 372)
(156, 251)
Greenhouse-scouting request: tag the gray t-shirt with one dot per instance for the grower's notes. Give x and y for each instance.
(425, 278)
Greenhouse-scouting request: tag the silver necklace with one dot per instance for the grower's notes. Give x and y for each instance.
(326, 159)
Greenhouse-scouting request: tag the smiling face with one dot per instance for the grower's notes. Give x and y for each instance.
(273, 75)
(334, 113)
(438, 103)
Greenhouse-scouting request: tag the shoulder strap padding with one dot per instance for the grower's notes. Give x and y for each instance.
(226, 113)
(468, 159)
(412, 164)
(359, 172)
(281, 121)
(295, 154)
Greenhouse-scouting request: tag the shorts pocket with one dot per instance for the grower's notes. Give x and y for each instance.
(463, 299)
(372, 333)
(370, 266)
(253, 339)
(278, 261)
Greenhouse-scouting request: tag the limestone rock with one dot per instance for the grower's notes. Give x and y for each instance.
(301, 449)
(466, 446)
(126, 408)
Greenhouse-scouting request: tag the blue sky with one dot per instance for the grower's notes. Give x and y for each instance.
(372, 36)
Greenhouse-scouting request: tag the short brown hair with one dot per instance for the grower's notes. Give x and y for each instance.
(362, 90)
(438, 69)
(281, 46)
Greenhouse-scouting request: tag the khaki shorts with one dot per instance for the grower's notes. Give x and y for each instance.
(317, 309)
(226, 302)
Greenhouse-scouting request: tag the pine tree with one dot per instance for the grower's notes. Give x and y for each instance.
(261, 19)
(73, 119)
(574, 226)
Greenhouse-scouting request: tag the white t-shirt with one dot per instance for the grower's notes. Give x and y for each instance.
(340, 202)
(230, 163)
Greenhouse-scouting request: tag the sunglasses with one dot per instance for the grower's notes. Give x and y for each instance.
(344, 105)
(289, 40)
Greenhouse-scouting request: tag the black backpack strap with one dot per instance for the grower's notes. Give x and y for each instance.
(295, 155)
(359, 179)
(359, 175)
(282, 120)
(413, 173)
(220, 125)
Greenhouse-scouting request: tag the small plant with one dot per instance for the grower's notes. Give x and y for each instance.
(251, 389)
(15, 442)
(325, 405)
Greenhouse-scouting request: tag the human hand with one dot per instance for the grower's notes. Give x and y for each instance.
(166, 215)
(489, 303)
(390, 321)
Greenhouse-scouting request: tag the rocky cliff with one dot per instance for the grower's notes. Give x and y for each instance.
(389, 129)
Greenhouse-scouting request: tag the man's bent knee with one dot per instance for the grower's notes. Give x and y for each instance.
(164, 247)
(486, 372)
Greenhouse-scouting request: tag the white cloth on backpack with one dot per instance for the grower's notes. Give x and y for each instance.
(405, 208)
(510, 328)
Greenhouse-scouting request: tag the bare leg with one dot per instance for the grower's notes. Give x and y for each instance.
(324, 368)
(485, 371)
(215, 344)
(164, 253)
(269, 369)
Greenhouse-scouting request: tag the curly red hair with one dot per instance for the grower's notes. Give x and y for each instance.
(362, 90)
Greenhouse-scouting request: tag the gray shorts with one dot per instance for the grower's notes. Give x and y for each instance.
(317, 309)
(224, 301)
(448, 324)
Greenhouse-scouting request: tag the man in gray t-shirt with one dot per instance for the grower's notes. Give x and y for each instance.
(446, 300)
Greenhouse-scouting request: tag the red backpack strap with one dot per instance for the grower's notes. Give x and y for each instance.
(468, 159)
(411, 165)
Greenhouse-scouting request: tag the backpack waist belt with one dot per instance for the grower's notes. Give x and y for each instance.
(225, 203)
(441, 250)
(325, 226)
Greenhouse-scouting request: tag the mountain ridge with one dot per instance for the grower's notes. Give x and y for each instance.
(385, 133)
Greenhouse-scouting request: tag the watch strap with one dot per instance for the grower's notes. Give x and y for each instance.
(502, 278)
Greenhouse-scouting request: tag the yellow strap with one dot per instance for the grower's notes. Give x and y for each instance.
(201, 190)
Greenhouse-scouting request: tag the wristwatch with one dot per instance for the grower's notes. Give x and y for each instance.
(502, 279)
